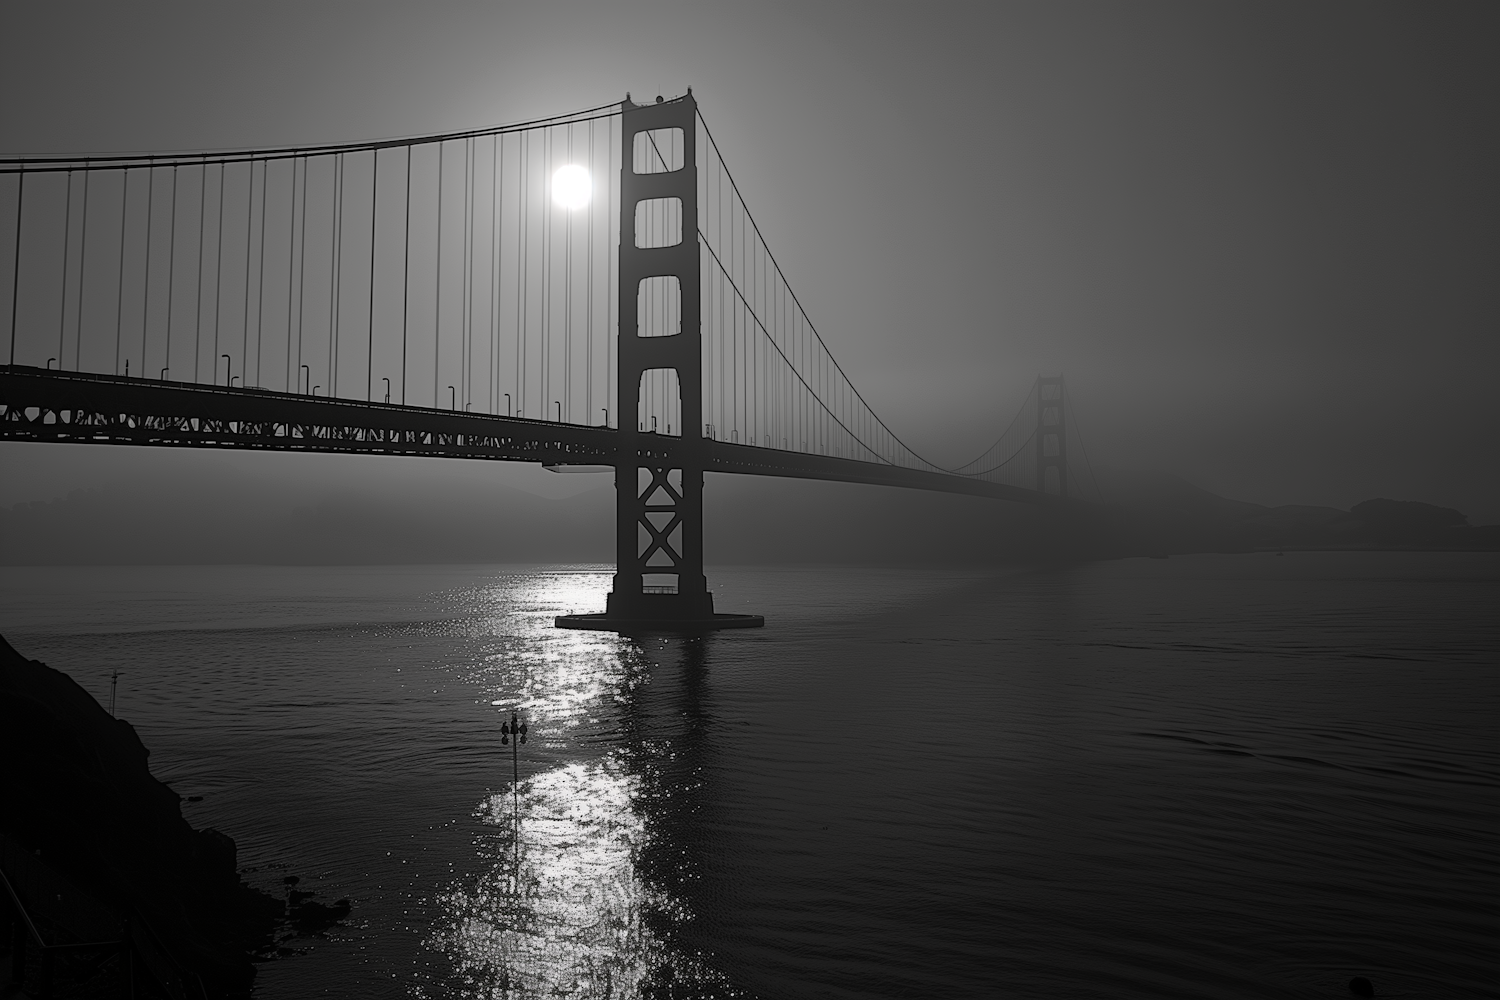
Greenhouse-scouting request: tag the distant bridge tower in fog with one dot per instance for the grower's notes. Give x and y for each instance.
(1051, 437)
(585, 291)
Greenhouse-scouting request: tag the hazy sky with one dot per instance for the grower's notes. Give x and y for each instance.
(1261, 240)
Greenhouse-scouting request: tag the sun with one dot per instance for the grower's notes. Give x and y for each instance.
(572, 187)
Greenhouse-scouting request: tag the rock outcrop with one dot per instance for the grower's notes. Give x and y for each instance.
(76, 793)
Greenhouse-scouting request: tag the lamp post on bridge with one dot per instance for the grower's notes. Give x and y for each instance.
(229, 367)
(299, 377)
(387, 389)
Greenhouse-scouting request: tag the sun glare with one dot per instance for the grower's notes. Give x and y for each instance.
(572, 186)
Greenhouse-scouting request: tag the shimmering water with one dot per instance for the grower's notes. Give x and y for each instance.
(1218, 776)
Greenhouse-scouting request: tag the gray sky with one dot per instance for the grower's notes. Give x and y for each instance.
(1260, 239)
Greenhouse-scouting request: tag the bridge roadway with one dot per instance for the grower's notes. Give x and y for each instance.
(55, 406)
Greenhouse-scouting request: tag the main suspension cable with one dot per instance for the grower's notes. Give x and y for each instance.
(807, 319)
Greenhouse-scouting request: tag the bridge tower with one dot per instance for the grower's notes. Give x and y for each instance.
(1051, 434)
(659, 582)
(658, 479)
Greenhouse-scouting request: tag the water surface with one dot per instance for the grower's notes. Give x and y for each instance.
(1216, 776)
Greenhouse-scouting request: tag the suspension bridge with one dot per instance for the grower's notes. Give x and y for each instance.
(588, 292)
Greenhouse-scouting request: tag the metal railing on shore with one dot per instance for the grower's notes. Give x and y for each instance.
(56, 919)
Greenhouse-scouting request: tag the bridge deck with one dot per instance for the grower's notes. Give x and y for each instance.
(52, 406)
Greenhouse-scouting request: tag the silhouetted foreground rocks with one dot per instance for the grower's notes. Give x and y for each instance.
(78, 806)
(306, 916)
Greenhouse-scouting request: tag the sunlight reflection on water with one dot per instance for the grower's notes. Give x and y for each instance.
(563, 915)
(560, 907)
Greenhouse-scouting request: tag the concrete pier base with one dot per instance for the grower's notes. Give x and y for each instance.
(606, 622)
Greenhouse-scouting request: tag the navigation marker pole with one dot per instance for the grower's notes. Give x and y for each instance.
(507, 730)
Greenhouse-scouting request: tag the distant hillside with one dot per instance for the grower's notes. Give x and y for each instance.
(1159, 513)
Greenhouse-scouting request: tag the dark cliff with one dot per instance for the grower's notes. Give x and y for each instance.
(78, 795)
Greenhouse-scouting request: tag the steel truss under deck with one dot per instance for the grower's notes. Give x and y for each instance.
(57, 407)
(50, 406)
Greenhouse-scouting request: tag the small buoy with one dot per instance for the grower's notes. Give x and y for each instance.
(1361, 987)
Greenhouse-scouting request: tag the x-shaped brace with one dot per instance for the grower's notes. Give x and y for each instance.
(659, 542)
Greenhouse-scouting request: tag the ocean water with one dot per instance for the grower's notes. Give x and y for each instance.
(1211, 776)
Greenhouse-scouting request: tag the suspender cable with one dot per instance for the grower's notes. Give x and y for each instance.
(260, 285)
(62, 312)
(610, 304)
(249, 230)
(468, 283)
(171, 273)
(567, 393)
(588, 340)
(219, 276)
(492, 400)
(751, 314)
(546, 273)
(15, 269)
(120, 287)
(374, 205)
(437, 284)
(83, 259)
(406, 276)
(847, 386)
(523, 272)
(336, 257)
(198, 318)
(302, 277)
(146, 291)
(291, 262)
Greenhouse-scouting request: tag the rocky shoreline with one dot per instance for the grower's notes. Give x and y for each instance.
(92, 840)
